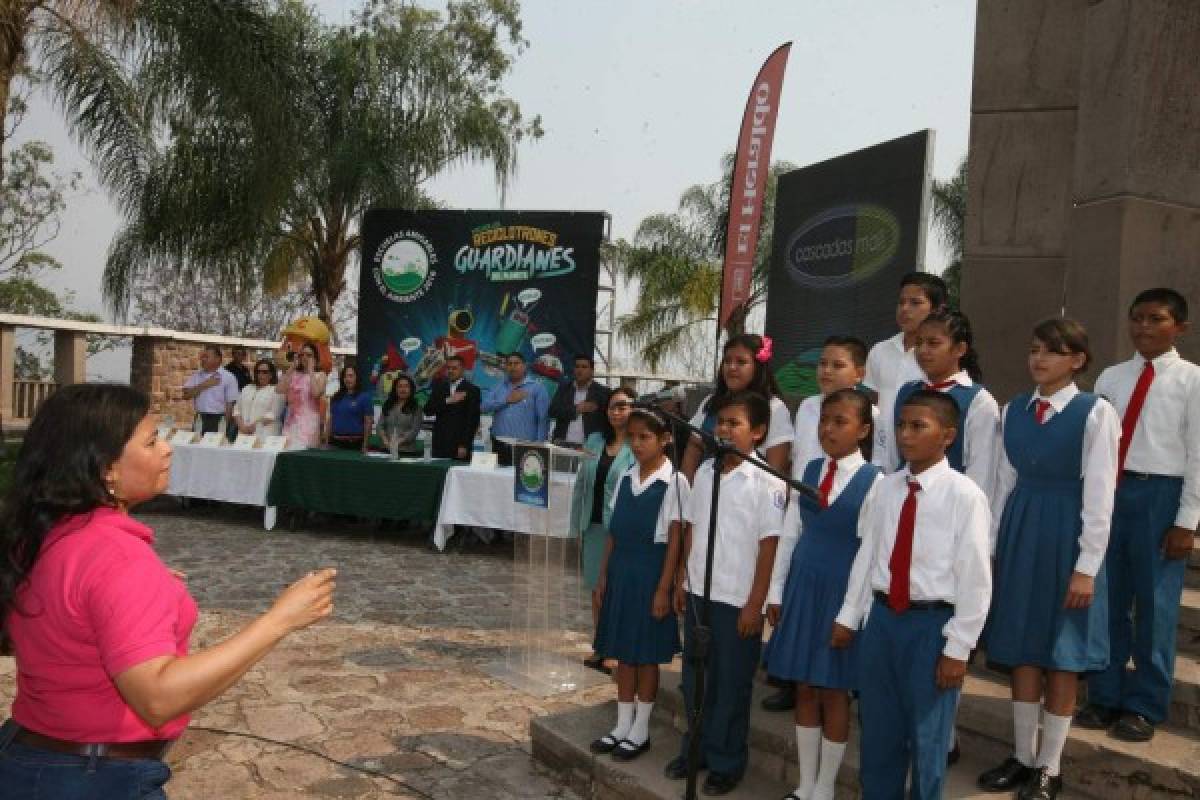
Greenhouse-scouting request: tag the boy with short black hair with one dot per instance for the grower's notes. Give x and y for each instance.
(1157, 395)
(922, 578)
(749, 522)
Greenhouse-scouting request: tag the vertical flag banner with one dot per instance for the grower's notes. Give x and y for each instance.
(751, 167)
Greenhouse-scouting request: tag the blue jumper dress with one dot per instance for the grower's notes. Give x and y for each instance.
(962, 396)
(816, 587)
(1038, 545)
(627, 630)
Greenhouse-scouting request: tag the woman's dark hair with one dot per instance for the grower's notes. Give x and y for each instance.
(270, 365)
(652, 418)
(610, 433)
(1065, 337)
(762, 383)
(358, 384)
(77, 434)
(958, 328)
(866, 413)
(411, 406)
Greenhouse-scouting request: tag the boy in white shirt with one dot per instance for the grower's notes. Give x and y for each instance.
(749, 523)
(892, 362)
(923, 575)
(1157, 507)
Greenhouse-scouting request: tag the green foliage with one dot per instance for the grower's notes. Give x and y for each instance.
(676, 261)
(949, 219)
(31, 199)
(264, 179)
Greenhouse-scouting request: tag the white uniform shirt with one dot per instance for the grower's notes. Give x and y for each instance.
(951, 560)
(751, 510)
(778, 432)
(806, 442)
(793, 528)
(1166, 440)
(889, 366)
(674, 501)
(575, 426)
(1101, 438)
(260, 404)
(980, 439)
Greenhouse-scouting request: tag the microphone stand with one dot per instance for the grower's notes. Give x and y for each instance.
(703, 633)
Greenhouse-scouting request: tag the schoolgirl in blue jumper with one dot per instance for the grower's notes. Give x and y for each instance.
(1051, 512)
(637, 624)
(812, 568)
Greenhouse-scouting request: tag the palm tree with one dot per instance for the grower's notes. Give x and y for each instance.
(949, 217)
(84, 53)
(676, 260)
(378, 107)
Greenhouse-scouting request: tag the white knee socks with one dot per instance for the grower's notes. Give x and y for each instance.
(1054, 738)
(1025, 729)
(639, 732)
(831, 762)
(808, 751)
(624, 721)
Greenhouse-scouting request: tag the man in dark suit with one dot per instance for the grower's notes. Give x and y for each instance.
(455, 404)
(579, 406)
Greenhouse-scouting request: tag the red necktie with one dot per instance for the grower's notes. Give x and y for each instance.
(940, 385)
(901, 561)
(1040, 409)
(827, 484)
(1132, 412)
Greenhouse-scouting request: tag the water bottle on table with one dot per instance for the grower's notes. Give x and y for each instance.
(426, 446)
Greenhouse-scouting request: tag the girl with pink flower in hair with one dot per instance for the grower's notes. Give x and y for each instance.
(745, 367)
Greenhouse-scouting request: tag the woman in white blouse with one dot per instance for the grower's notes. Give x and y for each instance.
(259, 402)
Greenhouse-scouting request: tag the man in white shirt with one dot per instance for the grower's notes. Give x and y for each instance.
(892, 363)
(1157, 395)
(922, 578)
(213, 390)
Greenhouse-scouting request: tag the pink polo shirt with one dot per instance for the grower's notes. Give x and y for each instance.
(97, 602)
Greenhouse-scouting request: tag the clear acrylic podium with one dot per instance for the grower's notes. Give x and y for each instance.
(551, 625)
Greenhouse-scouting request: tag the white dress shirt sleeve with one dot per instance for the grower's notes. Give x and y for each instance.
(1188, 515)
(783, 552)
(780, 430)
(1004, 478)
(674, 502)
(972, 577)
(858, 588)
(873, 377)
(980, 440)
(1101, 443)
(243, 409)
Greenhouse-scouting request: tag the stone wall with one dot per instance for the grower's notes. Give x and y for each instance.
(159, 367)
(1083, 172)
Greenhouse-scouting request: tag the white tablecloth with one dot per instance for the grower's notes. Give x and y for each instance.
(484, 498)
(224, 474)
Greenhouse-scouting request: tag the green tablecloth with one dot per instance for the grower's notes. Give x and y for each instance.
(347, 482)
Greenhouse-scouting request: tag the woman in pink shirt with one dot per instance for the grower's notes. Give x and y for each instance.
(99, 626)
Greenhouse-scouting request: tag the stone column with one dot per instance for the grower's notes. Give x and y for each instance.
(159, 367)
(1136, 220)
(70, 357)
(1023, 120)
(8, 354)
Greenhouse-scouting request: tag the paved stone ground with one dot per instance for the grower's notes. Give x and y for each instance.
(392, 685)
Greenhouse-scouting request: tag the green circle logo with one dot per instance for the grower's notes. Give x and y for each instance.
(404, 267)
(533, 472)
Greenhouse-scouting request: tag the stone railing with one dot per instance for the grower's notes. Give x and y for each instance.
(161, 361)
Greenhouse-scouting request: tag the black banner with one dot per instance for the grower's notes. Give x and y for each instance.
(846, 230)
(479, 284)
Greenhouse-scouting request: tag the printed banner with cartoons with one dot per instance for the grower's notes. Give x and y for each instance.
(478, 284)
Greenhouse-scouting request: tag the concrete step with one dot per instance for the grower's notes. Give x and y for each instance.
(561, 740)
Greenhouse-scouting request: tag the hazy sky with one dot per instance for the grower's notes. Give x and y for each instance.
(639, 99)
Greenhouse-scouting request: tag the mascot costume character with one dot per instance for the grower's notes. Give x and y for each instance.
(307, 330)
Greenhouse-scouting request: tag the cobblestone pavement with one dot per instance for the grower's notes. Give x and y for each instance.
(393, 685)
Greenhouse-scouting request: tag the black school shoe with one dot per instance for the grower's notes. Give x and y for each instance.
(628, 751)
(1010, 775)
(676, 768)
(1133, 728)
(953, 756)
(605, 744)
(718, 784)
(782, 700)
(1041, 786)
(1096, 718)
